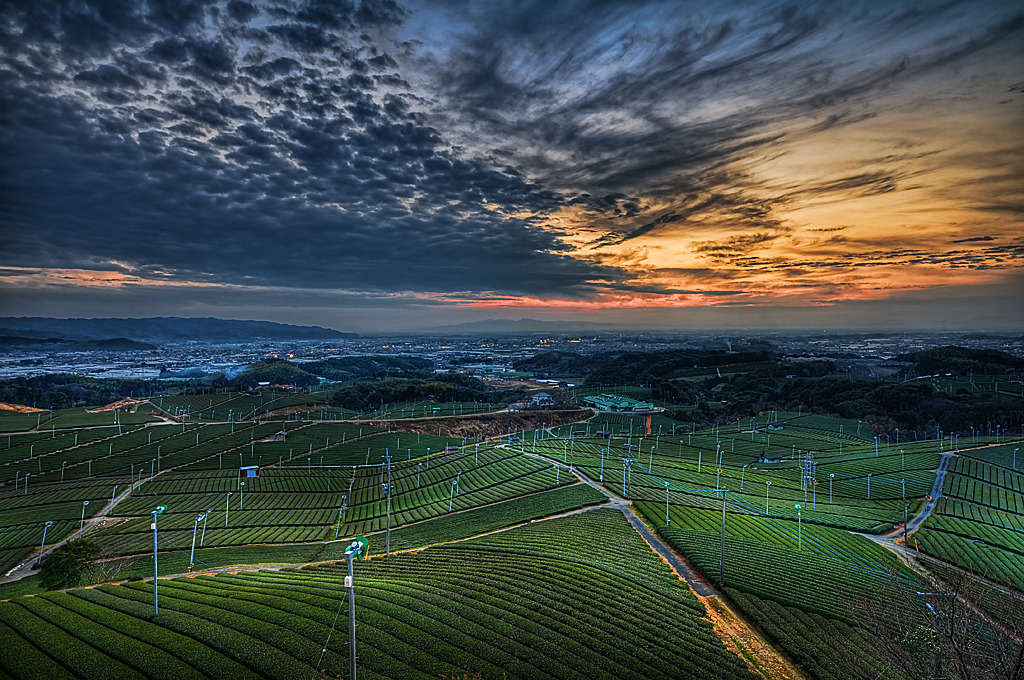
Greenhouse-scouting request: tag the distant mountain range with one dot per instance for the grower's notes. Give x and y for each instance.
(160, 329)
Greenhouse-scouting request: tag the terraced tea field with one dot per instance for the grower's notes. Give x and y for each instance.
(540, 600)
(517, 604)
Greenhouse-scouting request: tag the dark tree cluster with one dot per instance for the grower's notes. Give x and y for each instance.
(963, 361)
(444, 387)
(67, 391)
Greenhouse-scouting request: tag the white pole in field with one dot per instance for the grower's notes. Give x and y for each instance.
(667, 520)
(43, 544)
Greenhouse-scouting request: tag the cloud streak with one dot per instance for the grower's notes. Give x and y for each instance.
(609, 153)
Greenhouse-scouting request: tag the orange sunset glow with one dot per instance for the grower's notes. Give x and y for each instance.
(646, 163)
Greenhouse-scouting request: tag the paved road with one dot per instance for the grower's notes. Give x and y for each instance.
(917, 520)
(929, 506)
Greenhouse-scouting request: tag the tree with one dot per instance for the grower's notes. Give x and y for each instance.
(66, 565)
(954, 628)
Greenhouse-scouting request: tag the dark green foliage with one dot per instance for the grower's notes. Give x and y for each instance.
(342, 369)
(559, 363)
(645, 366)
(61, 390)
(445, 387)
(963, 360)
(276, 373)
(65, 567)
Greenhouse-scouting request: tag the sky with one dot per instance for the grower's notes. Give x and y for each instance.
(377, 166)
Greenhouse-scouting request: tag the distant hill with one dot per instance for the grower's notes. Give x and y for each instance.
(16, 342)
(163, 329)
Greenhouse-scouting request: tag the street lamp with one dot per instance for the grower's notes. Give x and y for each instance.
(195, 527)
(241, 495)
(227, 508)
(767, 485)
(869, 486)
(156, 513)
(799, 530)
(743, 474)
(452, 497)
(62, 471)
(82, 527)
(43, 544)
(1015, 457)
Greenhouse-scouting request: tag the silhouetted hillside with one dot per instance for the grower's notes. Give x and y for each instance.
(165, 329)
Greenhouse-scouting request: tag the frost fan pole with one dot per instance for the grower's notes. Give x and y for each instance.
(355, 551)
(351, 621)
(721, 558)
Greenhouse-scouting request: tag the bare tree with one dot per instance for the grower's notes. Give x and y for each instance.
(958, 627)
(107, 567)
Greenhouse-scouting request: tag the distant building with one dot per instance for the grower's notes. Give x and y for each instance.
(542, 399)
(249, 471)
(769, 458)
(617, 403)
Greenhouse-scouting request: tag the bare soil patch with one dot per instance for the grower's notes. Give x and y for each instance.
(19, 408)
(485, 424)
(120, 405)
(738, 636)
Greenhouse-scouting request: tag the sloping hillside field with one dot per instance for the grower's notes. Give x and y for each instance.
(517, 604)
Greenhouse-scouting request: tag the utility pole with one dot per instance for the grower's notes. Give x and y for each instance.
(389, 489)
(721, 558)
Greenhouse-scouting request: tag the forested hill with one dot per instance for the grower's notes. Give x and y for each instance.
(636, 367)
(962, 361)
(164, 329)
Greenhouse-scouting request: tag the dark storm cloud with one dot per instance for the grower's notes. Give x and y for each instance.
(624, 94)
(252, 166)
(975, 238)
